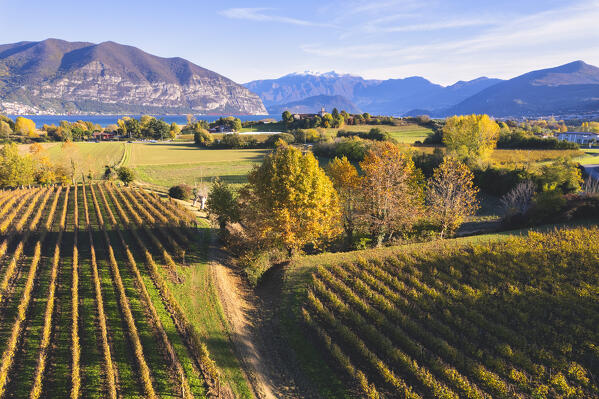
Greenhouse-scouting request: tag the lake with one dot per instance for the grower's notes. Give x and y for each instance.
(105, 120)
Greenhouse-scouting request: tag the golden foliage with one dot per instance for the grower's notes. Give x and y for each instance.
(290, 201)
(471, 136)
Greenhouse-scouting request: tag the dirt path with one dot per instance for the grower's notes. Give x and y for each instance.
(269, 366)
(237, 308)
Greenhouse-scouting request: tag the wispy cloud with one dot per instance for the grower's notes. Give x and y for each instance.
(506, 49)
(451, 24)
(264, 15)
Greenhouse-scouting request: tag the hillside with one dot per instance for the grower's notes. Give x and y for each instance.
(514, 318)
(569, 89)
(384, 97)
(55, 76)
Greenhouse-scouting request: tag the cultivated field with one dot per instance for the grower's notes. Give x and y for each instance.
(509, 319)
(86, 308)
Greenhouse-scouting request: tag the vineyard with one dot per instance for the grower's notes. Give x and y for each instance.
(510, 319)
(85, 306)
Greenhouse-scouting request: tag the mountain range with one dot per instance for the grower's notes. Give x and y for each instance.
(568, 90)
(56, 76)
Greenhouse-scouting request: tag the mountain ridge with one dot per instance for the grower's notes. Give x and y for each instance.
(390, 96)
(569, 89)
(56, 76)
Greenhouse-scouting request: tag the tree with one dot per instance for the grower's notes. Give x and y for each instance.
(519, 199)
(125, 175)
(155, 128)
(289, 201)
(174, 130)
(392, 196)
(202, 137)
(346, 182)
(15, 169)
(222, 204)
(180, 191)
(287, 118)
(451, 195)
(25, 127)
(562, 175)
(5, 130)
(470, 136)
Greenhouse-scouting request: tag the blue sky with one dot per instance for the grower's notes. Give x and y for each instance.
(444, 41)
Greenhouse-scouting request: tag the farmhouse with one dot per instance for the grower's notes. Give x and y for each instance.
(103, 136)
(220, 129)
(579, 137)
(309, 116)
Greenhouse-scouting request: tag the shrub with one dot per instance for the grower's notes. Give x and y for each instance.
(286, 137)
(125, 175)
(180, 191)
(202, 137)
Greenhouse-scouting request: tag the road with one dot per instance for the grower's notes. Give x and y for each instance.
(592, 170)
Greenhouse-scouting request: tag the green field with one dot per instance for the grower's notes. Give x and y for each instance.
(91, 157)
(403, 134)
(173, 163)
(167, 164)
(591, 156)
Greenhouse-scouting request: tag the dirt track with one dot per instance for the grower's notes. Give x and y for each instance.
(265, 357)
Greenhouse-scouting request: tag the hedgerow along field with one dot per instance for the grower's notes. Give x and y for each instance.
(85, 304)
(510, 319)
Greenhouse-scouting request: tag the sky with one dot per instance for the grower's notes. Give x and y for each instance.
(443, 41)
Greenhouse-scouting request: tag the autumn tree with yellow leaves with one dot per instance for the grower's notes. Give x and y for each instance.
(472, 137)
(289, 201)
(451, 195)
(346, 181)
(392, 195)
(25, 127)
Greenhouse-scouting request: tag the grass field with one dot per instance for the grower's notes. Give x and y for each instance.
(92, 157)
(403, 134)
(173, 163)
(501, 318)
(167, 164)
(85, 303)
(591, 156)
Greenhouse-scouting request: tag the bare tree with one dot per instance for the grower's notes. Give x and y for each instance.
(200, 192)
(519, 199)
(451, 195)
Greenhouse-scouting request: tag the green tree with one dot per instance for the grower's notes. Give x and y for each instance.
(174, 130)
(451, 195)
(222, 204)
(125, 175)
(133, 127)
(289, 201)
(287, 117)
(202, 137)
(471, 136)
(562, 175)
